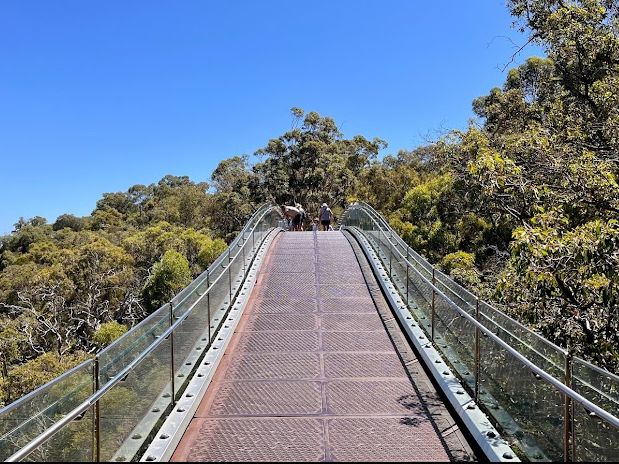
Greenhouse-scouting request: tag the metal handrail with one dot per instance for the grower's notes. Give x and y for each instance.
(200, 279)
(94, 398)
(446, 281)
(438, 273)
(597, 368)
(255, 218)
(557, 384)
(10, 407)
(568, 391)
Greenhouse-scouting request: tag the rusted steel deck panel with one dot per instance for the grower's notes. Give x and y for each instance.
(312, 374)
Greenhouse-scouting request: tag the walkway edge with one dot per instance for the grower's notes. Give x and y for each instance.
(171, 432)
(495, 448)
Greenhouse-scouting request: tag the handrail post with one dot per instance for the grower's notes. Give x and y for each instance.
(172, 356)
(390, 252)
(244, 262)
(477, 351)
(407, 276)
(208, 303)
(97, 413)
(433, 303)
(230, 276)
(568, 419)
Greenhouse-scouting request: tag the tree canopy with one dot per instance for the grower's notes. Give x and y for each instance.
(521, 207)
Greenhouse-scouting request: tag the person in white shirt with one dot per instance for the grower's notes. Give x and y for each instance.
(290, 212)
(297, 221)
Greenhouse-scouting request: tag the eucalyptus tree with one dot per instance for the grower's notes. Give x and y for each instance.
(313, 163)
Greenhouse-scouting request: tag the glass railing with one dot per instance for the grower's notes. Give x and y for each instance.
(550, 405)
(108, 408)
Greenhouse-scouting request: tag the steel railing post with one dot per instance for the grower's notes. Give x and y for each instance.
(208, 303)
(97, 413)
(568, 419)
(244, 262)
(230, 276)
(172, 383)
(433, 303)
(390, 252)
(407, 276)
(477, 351)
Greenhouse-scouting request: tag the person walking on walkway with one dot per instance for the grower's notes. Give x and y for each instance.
(295, 215)
(290, 213)
(297, 222)
(326, 216)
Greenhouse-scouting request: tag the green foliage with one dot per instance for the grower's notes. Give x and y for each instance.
(234, 200)
(61, 284)
(461, 266)
(69, 221)
(210, 251)
(107, 333)
(543, 170)
(28, 376)
(564, 282)
(168, 277)
(148, 245)
(313, 163)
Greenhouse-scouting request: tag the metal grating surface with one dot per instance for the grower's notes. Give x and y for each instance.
(363, 365)
(349, 278)
(352, 341)
(292, 247)
(258, 439)
(291, 267)
(348, 397)
(348, 305)
(286, 292)
(311, 351)
(344, 291)
(260, 366)
(352, 322)
(292, 251)
(278, 322)
(285, 306)
(393, 439)
(267, 398)
(330, 267)
(294, 279)
(278, 342)
(333, 254)
(336, 251)
(333, 257)
(291, 260)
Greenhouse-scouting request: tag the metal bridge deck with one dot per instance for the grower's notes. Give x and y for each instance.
(312, 373)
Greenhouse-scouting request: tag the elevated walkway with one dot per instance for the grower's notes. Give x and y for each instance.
(301, 346)
(312, 373)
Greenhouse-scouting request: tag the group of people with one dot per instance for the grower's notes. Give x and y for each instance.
(296, 216)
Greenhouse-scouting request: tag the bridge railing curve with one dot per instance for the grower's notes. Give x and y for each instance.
(107, 408)
(551, 405)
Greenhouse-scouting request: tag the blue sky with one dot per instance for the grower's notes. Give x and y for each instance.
(98, 96)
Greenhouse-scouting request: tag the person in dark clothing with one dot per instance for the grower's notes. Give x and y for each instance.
(325, 216)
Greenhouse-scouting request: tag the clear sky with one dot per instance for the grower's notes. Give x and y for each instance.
(97, 96)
